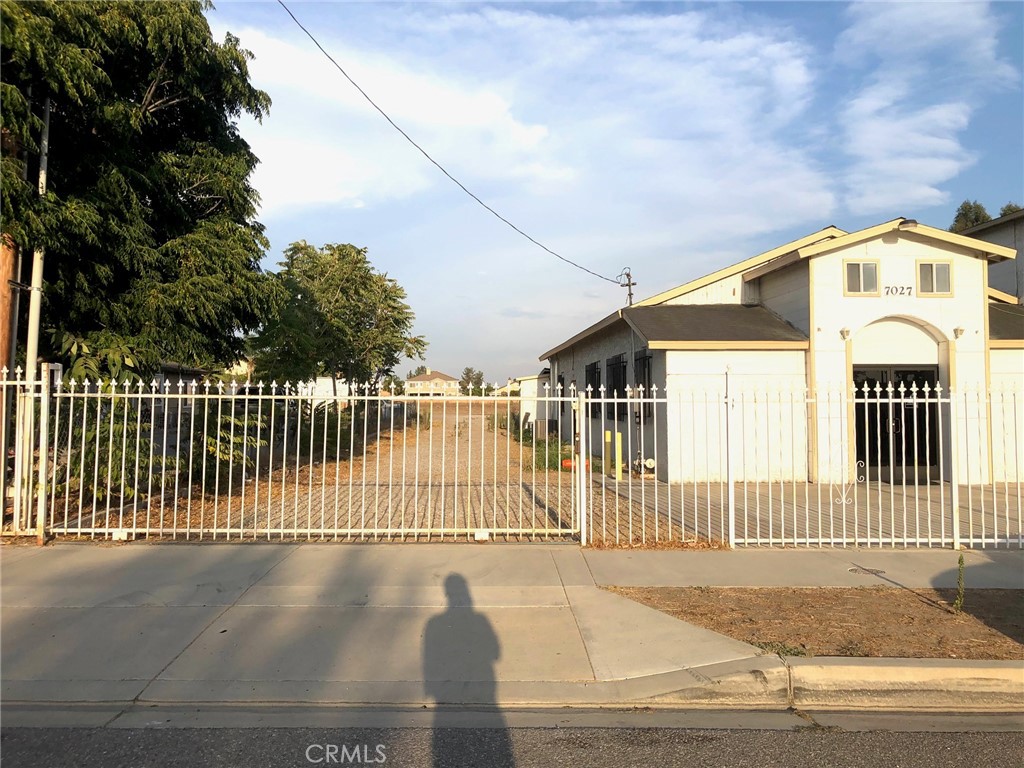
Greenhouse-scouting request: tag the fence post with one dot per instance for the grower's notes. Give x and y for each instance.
(44, 453)
(954, 469)
(582, 427)
(729, 464)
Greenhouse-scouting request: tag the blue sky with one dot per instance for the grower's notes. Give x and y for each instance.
(673, 138)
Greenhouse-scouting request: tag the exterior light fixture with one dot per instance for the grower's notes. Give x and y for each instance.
(845, 333)
(958, 332)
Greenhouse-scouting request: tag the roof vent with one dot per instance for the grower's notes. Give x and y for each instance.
(908, 224)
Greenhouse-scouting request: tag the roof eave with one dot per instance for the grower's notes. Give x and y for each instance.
(991, 251)
(735, 345)
(694, 285)
(600, 325)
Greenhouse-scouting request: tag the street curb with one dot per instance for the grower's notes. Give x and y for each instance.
(858, 683)
(845, 683)
(758, 683)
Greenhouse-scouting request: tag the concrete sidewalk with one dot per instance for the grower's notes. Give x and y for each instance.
(320, 624)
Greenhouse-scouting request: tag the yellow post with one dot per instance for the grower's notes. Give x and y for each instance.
(607, 449)
(618, 457)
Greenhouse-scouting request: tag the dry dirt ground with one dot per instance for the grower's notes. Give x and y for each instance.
(858, 621)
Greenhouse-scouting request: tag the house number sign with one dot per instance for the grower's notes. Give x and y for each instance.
(898, 290)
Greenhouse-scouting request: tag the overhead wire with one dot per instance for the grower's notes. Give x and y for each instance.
(431, 159)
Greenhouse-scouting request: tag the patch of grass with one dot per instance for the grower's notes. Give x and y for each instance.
(958, 604)
(782, 649)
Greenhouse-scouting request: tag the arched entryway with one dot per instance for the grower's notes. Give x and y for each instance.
(897, 363)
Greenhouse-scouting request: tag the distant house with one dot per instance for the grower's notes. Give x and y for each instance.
(432, 383)
(532, 391)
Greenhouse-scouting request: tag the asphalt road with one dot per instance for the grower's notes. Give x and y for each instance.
(744, 746)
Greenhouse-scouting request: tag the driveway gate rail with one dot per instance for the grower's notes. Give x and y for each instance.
(698, 466)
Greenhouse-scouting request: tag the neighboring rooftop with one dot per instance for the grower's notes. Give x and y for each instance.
(994, 223)
(433, 376)
(1005, 322)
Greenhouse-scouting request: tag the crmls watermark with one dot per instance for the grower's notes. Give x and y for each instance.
(344, 754)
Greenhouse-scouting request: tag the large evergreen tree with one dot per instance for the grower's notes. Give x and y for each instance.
(149, 223)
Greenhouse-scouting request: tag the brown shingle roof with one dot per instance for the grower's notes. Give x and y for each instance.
(433, 376)
(710, 322)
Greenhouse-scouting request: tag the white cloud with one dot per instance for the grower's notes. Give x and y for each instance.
(924, 68)
(672, 142)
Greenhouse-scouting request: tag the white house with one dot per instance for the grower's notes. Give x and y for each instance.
(534, 392)
(793, 333)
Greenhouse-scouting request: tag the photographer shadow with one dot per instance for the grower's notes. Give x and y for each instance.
(460, 649)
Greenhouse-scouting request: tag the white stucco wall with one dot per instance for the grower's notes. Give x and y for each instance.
(898, 256)
(1007, 408)
(787, 293)
(728, 290)
(766, 430)
(534, 402)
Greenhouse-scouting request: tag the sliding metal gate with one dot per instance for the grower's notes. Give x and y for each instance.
(889, 466)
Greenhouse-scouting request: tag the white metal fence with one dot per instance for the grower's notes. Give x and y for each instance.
(904, 466)
(241, 461)
(736, 466)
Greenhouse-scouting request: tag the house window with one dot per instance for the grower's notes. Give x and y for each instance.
(593, 384)
(616, 367)
(642, 374)
(862, 278)
(934, 278)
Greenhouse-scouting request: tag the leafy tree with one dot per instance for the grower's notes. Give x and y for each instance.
(1009, 208)
(419, 370)
(152, 247)
(968, 215)
(393, 384)
(341, 319)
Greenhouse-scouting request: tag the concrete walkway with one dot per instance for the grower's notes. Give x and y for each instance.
(483, 625)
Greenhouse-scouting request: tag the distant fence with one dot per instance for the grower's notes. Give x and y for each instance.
(691, 467)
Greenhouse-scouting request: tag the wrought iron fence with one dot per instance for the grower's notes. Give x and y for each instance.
(686, 466)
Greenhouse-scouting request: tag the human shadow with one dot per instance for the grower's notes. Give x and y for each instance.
(460, 649)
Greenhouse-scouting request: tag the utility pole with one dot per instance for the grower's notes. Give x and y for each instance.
(36, 290)
(627, 283)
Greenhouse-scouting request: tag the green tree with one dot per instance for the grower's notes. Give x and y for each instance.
(342, 319)
(152, 246)
(968, 215)
(1009, 208)
(419, 370)
(472, 381)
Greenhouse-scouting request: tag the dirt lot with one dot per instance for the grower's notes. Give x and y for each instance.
(858, 621)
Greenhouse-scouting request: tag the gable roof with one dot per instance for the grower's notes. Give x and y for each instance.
(828, 233)
(433, 376)
(989, 250)
(734, 323)
(981, 248)
(699, 326)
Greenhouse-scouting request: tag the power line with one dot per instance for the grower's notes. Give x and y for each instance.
(432, 160)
